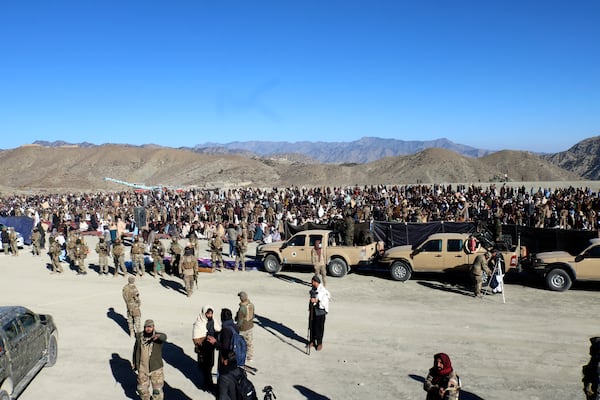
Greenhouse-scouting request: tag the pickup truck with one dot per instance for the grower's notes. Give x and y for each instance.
(297, 251)
(560, 268)
(439, 252)
(28, 342)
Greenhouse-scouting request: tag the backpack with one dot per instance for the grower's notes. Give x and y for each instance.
(238, 346)
(244, 388)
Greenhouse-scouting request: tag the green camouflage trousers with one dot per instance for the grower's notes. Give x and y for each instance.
(154, 380)
(138, 264)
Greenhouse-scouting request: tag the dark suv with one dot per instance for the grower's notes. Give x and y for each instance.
(28, 342)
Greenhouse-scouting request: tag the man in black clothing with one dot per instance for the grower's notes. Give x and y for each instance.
(225, 342)
(229, 374)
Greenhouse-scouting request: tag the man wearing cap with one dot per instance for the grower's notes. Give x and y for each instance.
(131, 296)
(318, 309)
(137, 256)
(102, 251)
(189, 268)
(119, 257)
(479, 265)
(148, 362)
(245, 322)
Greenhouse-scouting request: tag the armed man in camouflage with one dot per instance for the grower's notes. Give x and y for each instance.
(36, 238)
(189, 266)
(148, 362)
(157, 251)
(137, 256)
(54, 251)
(102, 251)
(216, 252)
(131, 296)
(240, 254)
(175, 251)
(12, 237)
(81, 252)
(118, 252)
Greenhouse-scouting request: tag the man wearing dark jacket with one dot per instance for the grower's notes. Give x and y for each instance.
(148, 362)
(229, 374)
(225, 342)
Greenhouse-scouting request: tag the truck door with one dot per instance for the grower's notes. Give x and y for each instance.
(17, 348)
(430, 257)
(296, 250)
(456, 258)
(589, 266)
(34, 332)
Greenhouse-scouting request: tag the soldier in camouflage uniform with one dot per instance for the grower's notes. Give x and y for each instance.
(240, 253)
(70, 247)
(148, 362)
(80, 252)
(118, 252)
(175, 251)
(12, 237)
(189, 266)
(36, 238)
(137, 256)
(216, 252)
(157, 251)
(131, 296)
(55, 250)
(102, 250)
(193, 240)
(245, 322)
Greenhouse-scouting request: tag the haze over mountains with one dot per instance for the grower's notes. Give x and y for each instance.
(59, 166)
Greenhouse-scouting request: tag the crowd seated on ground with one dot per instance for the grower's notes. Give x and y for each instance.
(262, 212)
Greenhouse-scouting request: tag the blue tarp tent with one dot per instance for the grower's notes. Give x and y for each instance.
(23, 225)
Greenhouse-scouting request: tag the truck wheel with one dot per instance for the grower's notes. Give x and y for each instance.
(52, 351)
(272, 264)
(558, 280)
(337, 268)
(400, 271)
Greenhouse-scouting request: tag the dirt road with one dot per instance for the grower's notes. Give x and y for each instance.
(380, 334)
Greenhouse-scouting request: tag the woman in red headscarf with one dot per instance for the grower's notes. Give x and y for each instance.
(442, 382)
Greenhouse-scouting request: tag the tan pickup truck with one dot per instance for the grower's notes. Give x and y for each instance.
(560, 268)
(440, 252)
(297, 251)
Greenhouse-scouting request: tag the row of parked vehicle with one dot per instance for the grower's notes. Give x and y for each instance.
(440, 252)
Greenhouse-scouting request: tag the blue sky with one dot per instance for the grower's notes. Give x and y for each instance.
(510, 74)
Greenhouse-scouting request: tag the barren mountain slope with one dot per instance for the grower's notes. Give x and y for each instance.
(583, 158)
(36, 168)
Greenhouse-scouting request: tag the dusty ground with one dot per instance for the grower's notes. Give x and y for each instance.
(379, 338)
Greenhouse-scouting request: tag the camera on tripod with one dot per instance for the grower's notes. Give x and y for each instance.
(268, 391)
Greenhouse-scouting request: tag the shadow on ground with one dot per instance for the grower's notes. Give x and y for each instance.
(282, 332)
(119, 319)
(310, 394)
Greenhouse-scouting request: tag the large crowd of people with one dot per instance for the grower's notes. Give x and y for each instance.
(181, 212)
(178, 213)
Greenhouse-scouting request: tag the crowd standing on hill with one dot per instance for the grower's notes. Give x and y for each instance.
(260, 214)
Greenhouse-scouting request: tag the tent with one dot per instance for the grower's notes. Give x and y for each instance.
(23, 225)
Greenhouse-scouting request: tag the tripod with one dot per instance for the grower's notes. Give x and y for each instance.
(497, 272)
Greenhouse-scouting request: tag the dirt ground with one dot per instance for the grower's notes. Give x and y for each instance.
(380, 334)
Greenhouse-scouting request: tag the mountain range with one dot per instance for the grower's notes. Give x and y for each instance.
(59, 166)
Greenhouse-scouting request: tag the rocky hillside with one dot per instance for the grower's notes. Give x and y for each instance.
(38, 168)
(582, 159)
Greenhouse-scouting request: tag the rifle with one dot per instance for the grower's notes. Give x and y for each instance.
(196, 277)
(310, 315)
